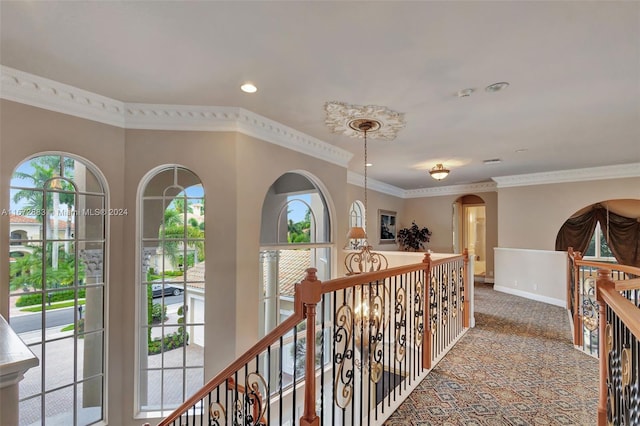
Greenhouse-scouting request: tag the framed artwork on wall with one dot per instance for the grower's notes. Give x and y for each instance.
(387, 226)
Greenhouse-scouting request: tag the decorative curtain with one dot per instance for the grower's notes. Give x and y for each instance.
(577, 232)
(622, 235)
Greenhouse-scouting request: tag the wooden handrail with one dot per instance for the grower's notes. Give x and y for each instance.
(610, 266)
(308, 292)
(240, 362)
(367, 277)
(624, 308)
(632, 284)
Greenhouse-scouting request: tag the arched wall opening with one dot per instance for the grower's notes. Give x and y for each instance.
(608, 230)
(469, 231)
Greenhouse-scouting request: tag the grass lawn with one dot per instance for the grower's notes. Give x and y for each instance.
(57, 305)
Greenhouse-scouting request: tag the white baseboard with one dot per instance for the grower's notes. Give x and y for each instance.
(532, 296)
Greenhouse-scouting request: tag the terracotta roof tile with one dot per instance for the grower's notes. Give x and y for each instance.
(292, 267)
(195, 276)
(14, 218)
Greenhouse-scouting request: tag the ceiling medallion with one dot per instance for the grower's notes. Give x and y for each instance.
(346, 119)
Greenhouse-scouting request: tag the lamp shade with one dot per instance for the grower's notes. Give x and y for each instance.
(356, 233)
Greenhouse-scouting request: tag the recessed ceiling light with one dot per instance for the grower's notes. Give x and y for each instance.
(496, 87)
(369, 164)
(492, 161)
(465, 92)
(248, 88)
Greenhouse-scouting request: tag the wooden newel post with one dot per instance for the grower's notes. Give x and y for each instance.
(426, 309)
(604, 277)
(577, 317)
(466, 308)
(310, 292)
(569, 272)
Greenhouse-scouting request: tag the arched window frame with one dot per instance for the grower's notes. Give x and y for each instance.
(89, 381)
(322, 251)
(357, 218)
(192, 370)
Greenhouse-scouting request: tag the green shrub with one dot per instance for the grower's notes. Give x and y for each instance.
(158, 313)
(171, 341)
(56, 296)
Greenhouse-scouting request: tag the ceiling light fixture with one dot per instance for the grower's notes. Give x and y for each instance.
(439, 172)
(496, 87)
(249, 88)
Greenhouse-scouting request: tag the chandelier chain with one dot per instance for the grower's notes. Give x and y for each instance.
(366, 211)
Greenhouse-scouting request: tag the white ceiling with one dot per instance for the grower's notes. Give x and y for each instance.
(573, 68)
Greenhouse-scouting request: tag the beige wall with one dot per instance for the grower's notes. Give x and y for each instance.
(375, 201)
(236, 172)
(436, 213)
(147, 149)
(531, 216)
(258, 166)
(26, 131)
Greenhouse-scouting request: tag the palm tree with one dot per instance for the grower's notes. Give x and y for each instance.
(46, 175)
(45, 169)
(173, 230)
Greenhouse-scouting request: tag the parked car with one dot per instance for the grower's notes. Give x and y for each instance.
(158, 290)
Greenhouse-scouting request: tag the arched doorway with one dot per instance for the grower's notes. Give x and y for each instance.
(469, 231)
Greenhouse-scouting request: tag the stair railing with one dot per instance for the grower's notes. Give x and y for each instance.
(619, 326)
(582, 299)
(360, 345)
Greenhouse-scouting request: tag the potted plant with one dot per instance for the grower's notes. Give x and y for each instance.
(413, 238)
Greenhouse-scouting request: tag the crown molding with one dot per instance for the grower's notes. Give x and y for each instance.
(574, 175)
(51, 95)
(43, 93)
(358, 180)
(376, 185)
(451, 190)
(231, 119)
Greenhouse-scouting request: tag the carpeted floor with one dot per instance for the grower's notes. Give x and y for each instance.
(516, 367)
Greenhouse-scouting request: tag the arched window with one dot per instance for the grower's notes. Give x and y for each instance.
(357, 219)
(58, 289)
(171, 291)
(295, 235)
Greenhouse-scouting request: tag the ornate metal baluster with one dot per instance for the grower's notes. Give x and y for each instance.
(400, 324)
(461, 283)
(377, 318)
(342, 340)
(454, 293)
(433, 304)
(445, 300)
(418, 302)
(255, 407)
(217, 415)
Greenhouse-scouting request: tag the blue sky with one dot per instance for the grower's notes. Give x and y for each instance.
(298, 210)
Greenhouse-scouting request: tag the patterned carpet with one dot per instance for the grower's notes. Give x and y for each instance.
(516, 367)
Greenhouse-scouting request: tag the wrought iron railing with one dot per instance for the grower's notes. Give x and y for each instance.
(582, 298)
(360, 345)
(619, 394)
